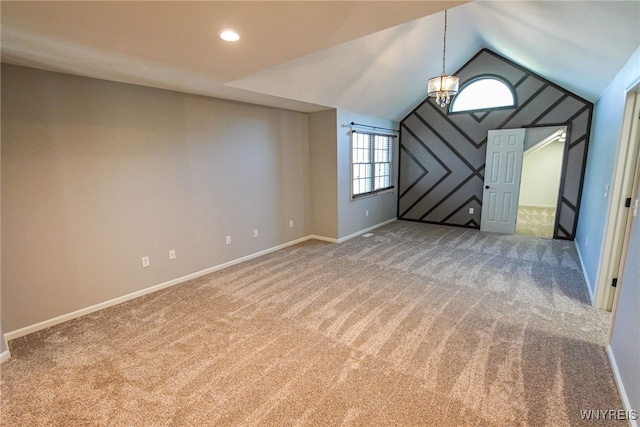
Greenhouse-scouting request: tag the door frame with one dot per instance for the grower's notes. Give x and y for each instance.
(563, 169)
(631, 213)
(613, 248)
(563, 166)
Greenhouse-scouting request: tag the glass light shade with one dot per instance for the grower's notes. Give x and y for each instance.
(442, 88)
(442, 83)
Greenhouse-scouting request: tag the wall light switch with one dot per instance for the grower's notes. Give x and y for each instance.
(255, 232)
(471, 211)
(290, 223)
(366, 213)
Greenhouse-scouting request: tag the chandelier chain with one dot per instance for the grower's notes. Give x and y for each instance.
(444, 44)
(443, 88)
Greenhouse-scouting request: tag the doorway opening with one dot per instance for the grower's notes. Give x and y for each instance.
(627, 167)
(542, 160)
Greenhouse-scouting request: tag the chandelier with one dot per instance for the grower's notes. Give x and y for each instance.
(443, 87)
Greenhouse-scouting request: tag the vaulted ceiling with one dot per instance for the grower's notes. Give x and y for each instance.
(373, 57)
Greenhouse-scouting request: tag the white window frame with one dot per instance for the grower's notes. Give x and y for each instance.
(490, 103)
(371, 163)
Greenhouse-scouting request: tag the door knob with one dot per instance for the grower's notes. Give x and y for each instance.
(486, 186)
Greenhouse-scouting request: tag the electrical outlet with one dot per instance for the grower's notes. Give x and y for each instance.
(255, 232)
(172, 254)
(145, 261)
(470, 210)
(290, 223)
(228, 240)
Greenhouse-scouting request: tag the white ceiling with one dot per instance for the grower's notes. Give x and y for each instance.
(372, 57)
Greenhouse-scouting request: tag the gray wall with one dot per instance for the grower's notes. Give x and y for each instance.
(324, 174)
(97, 174)
(335, 216)
(442, 155)
(607, 126)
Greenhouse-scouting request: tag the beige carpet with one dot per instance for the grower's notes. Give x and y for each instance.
(415, 325)
(536, 221)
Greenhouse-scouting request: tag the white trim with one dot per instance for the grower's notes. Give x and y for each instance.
(358, 233)
(390, 150)
(88, 310)
(324, 239)
(633, 86)
(351, 236)
(91, 309)
(538, 206)
(584, 273)
(620, 385)
(5, 355)
(616, 222)
(371, 193)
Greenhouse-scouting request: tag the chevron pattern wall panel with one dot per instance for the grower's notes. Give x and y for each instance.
(442, 154)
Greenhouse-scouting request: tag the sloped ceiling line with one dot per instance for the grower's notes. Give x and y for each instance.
(372, 57)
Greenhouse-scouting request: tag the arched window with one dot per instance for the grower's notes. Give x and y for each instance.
(482, 94)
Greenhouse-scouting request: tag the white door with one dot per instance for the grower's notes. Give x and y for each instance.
(502, 180)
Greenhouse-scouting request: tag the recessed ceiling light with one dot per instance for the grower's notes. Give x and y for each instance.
(230, 36)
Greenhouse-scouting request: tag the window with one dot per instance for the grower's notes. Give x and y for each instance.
(482, 94)
(371, 163)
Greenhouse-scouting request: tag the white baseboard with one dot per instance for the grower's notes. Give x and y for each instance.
(88, 310)
(584, 274)
(537, 206)
(620, 384)
(324, 239)
(5, 355)
(351, 236)
(358, 233)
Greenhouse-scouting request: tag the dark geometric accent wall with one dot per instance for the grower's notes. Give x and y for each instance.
(442, 154)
